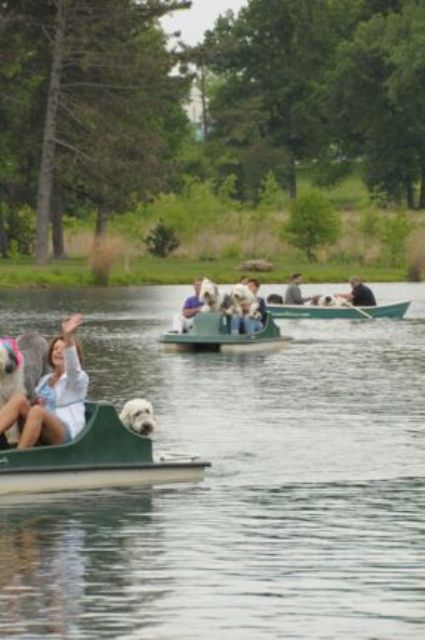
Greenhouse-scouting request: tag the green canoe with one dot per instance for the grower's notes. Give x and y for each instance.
(105, 454)
(395, 310)
(211, 332)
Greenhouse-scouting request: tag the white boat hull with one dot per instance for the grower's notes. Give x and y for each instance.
(53, 481)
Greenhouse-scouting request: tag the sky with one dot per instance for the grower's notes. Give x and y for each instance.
(201, 16)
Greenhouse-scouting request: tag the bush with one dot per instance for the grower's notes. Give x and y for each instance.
(313, 223)
(162, 240)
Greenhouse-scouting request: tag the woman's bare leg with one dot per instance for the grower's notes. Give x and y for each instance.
(41, 422)
(15, 408)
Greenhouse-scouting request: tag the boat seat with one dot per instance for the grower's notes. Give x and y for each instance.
(210, 323)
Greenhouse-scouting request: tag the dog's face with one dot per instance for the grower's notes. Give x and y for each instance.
(10, 358)
(208, 292)
(242, 292)
(138, 415)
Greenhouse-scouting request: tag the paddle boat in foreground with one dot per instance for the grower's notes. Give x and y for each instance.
(211, 332)
(395, 310)
(105, 454)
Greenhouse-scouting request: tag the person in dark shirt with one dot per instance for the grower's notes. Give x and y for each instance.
(361, 295)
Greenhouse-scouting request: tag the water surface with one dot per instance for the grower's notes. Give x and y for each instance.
(310, 523)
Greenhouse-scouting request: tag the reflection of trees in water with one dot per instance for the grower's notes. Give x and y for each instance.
(77, 567)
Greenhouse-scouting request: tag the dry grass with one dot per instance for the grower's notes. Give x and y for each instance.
(415, 255)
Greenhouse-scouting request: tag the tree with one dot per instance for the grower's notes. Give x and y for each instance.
(313, 223)
(112, 117)
(271, 58)
(376, 96)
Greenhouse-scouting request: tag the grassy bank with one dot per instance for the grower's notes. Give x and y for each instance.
(76, 272)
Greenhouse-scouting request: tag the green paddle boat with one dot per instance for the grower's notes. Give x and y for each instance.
(211, 332)
(395, 310)
(105, 454)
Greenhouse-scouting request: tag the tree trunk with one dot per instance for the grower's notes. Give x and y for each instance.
(292, 178)
(204, 104)
(422, 188)
(47, 165)
(410, 194)
(101, 224)
(57, 229)
(3, 235)
(102, 258)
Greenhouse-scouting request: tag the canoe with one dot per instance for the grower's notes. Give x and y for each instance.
(105, 454)
(395, 310)
(211, 332)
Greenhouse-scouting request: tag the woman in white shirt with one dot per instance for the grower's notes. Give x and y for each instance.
(57, 414)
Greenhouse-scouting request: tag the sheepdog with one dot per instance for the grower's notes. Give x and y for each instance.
(212, 299)
(34, 349)
(327, 301)
(22, 363)
(138, 415)
(244, 301)
(11, 369)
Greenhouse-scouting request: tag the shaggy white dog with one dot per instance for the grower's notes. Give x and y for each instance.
(213, 300)
(138, 415)
(244, 301)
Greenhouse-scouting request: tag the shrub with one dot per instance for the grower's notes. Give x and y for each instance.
(313, 223)
(162, 240)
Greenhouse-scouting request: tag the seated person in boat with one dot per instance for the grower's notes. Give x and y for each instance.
(254, 285)
(58, 413)
(192, 305)
(293, 293)
(245, 313)
(360, 295)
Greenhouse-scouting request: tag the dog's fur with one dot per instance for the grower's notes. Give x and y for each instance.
(327, 301)
(138, 415)
(213, 300)
(22, 363)
(34, 349)
(244, 301)
(11, 370)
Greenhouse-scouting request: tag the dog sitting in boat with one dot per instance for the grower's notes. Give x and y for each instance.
(22, 363)
(327, 301)
(244, 301)
(212, 299)
(138, 415)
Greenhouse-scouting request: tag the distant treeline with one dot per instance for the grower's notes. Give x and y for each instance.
(92, 108)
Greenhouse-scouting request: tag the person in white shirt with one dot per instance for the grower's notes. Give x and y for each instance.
(57, 415)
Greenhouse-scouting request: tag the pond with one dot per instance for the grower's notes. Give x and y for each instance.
(309, 524)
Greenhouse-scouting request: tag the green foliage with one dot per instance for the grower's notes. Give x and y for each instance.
(370, 222)
(20, 229)
(395, 231)
(312, 223)
(162, 240)
(271, 195)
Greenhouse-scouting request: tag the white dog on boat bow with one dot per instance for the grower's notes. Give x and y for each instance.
(138, 415)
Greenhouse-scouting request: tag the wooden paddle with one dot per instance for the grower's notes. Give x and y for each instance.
(361, 311)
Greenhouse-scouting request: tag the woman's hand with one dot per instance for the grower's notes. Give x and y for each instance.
(71, 324)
